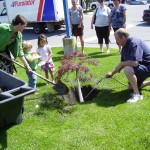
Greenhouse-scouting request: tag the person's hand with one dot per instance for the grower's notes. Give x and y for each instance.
(28, 69)
(47, 60)
(110, 28)
(80, 25)
(109, 75)
(124, 26)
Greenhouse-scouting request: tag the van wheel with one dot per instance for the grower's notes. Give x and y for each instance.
(93, 7)
(110, 6)
(57, 27)
(39, 28)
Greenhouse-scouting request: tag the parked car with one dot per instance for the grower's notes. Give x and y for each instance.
(146, 15)
(95, 3)
(136, 2)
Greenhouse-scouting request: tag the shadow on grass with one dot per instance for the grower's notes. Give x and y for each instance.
(101, 55)
(57, 58)
(92, 55)
(103, 98)
(109, 98)
(51, 101)
(41, 84)
(3, 137)
(61, 52)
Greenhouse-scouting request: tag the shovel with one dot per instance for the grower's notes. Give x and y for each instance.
(59, 87)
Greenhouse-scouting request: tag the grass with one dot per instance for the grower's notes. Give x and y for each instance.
(105, 123)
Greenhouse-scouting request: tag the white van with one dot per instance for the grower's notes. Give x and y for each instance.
(40, 14)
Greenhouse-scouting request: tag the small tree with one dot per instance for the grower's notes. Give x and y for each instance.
(78, 63)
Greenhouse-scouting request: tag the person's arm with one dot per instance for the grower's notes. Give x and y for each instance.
(120, 66)
(110, 19)
(50, 54)
(92, 21)
(70, 17)
(22, 58)
(33, 57)
(81, 19)
(81, 16)
(124, 19)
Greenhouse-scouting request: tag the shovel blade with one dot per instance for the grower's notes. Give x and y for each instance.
(61, 88)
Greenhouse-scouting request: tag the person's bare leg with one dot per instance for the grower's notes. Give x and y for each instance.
(101, 48)
(144, 84)
(129, 72)
(76, 47)
(82, 43)
(52, 75)
(46, 74)
(119, 48)
(129, 87)
(107, 48)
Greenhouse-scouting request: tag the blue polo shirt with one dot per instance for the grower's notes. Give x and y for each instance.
(136, 50)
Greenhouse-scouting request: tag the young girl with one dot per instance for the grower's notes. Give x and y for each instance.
(27, 47)
(44, 50)
(76, 19)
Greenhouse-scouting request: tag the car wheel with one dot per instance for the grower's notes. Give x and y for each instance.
(110, 6)
(93, 7)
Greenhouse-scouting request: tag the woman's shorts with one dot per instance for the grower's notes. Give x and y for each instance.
(76, 31)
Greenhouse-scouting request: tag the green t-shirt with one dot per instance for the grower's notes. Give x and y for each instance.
(32, 64)
(6, 32)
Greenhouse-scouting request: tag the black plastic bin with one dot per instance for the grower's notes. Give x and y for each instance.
(12, 95)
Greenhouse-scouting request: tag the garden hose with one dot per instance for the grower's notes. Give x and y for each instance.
(100, 81)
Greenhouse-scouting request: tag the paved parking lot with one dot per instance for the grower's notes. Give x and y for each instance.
(135, 26)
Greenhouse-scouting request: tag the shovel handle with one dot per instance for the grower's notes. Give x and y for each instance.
(30, 70)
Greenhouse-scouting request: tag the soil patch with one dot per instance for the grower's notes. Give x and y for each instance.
(73, 96)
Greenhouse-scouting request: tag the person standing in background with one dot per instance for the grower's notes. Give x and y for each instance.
(118, 17)
(76, 20)
(101, 19)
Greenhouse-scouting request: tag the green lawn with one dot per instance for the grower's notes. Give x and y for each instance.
(106, 122)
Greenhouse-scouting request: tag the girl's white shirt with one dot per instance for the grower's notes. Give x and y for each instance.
(44, 52)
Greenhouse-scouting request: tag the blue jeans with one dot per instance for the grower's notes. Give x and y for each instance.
(32, 79)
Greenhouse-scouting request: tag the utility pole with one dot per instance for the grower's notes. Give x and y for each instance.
(69, 42)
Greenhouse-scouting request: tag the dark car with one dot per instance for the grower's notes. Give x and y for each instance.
(146, 15)
(136, 2)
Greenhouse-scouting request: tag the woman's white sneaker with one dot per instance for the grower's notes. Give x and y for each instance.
(108, 51)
